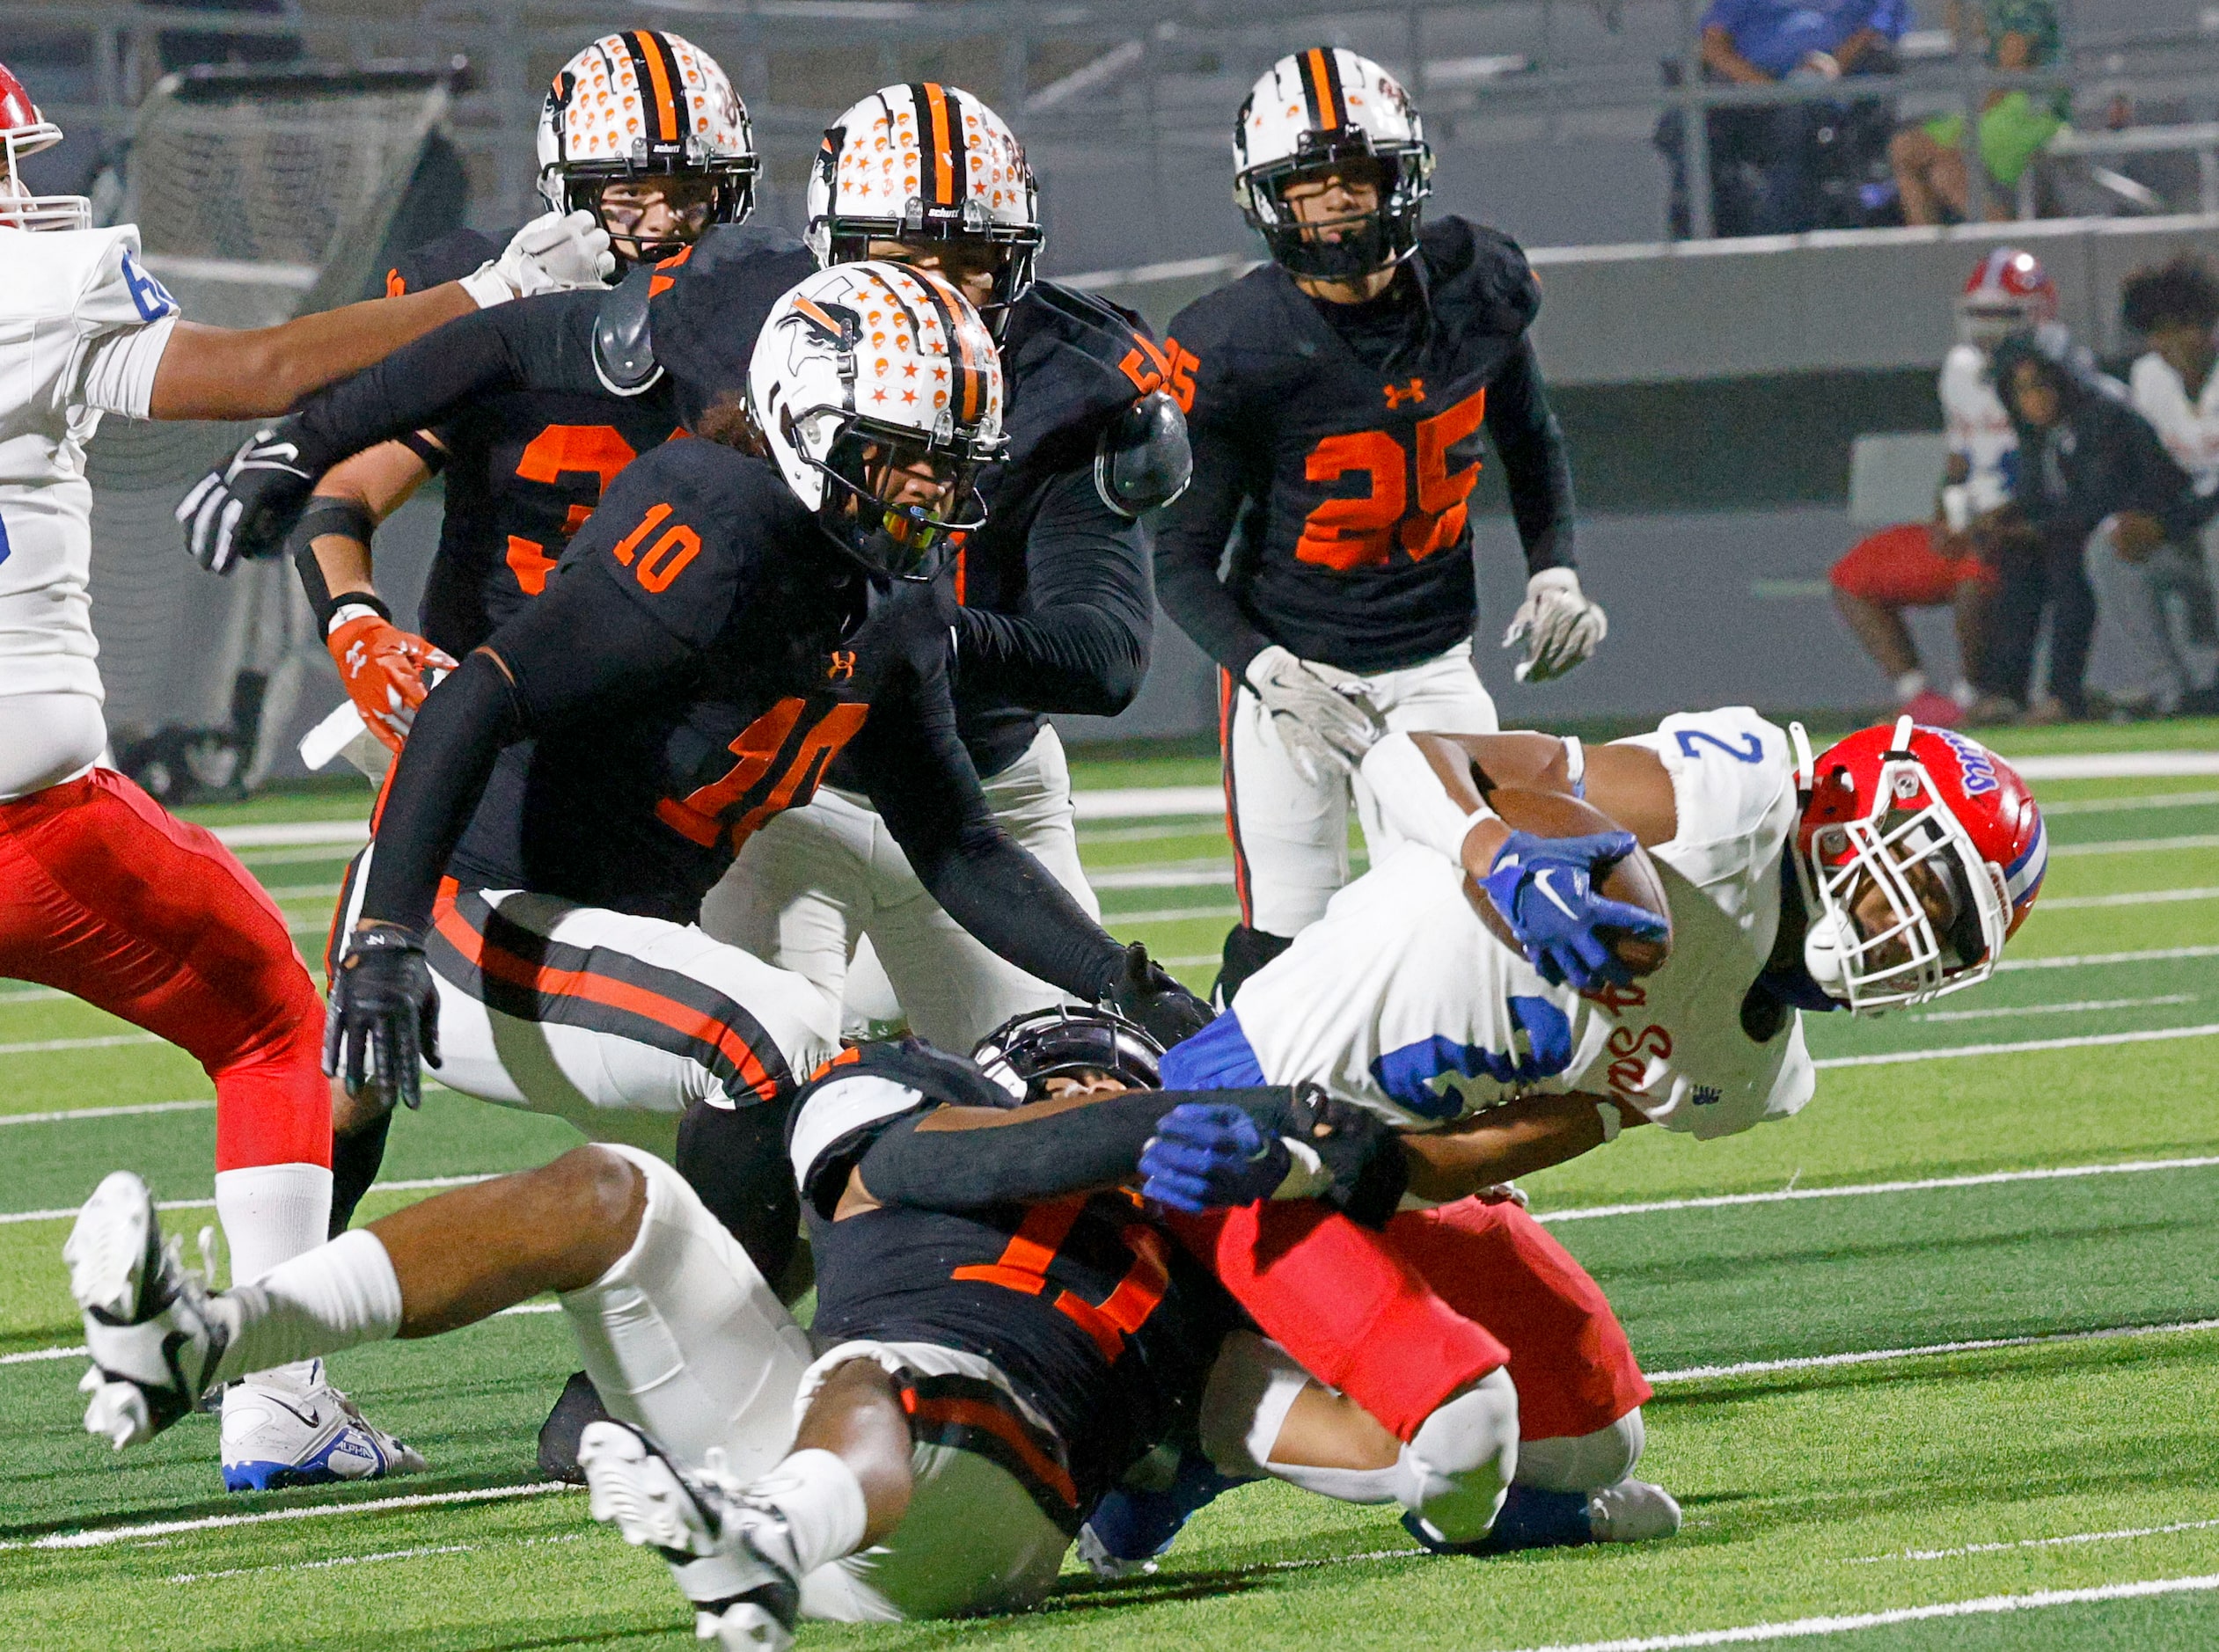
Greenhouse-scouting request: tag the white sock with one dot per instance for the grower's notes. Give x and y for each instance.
(1910, 685)
(271, 1214)
(823, 1505)
(338, 1295)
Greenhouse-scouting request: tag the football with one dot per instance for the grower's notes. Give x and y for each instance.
(1633, 880)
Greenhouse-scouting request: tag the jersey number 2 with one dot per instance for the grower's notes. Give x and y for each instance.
(557, 451)
(1363, 532)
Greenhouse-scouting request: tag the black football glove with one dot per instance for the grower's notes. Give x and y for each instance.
(1144, 992)
(384, 1016)
(246, 508)
(1362, 1151)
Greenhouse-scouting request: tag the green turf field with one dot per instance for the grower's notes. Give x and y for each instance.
(1804, 1297)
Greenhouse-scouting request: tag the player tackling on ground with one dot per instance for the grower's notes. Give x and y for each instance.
(1335, 398)
(101, 893)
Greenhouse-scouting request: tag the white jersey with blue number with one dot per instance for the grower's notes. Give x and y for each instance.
(1400, 998)
(1979, 430)
(82, 330)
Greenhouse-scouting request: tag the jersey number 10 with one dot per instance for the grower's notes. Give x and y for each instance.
(1363, 532)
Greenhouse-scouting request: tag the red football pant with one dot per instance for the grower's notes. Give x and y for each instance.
(105, 896)
(1401, 1319)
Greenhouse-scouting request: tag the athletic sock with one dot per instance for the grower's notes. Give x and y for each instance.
(272, 1213)
(356, 1158)
(822, 1503)
(338, 1295)
(1910, 686)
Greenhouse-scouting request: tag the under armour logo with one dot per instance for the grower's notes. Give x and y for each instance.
(1398, 394)
(842, 666)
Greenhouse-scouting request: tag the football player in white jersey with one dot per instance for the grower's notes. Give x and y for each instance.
(101, 893)
(1948, 560)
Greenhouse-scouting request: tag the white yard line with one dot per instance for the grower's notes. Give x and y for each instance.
(1866, 1190)
(77, 1351)
(2075, 1007)
(2080, 960)
(1171, 915)
(67, 1114)
(291, 833)
(1210, 876)
(300, 891)
(418, 1184)
(2135, 897)
(1149, 803)
(1926, 1350)
(2144, 1035)
(31, 995)
(2036, 1543)
(44, 1046)
(2116, 765)
(372, 1560)
(100, 1537)
(2115, 805)
(2135, 846)
(1806, 1628)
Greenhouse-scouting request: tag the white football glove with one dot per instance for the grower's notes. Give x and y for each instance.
(1558, 624)
(245, 509)
(553, 253)
(1322, 715)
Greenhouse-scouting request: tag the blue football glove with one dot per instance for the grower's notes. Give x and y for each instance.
(1206, 1156)
(1544, 888)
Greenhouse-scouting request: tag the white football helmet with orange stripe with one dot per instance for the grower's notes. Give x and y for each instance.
(647, 103)
(1312, 110)
(926, 163)
(24, 131)
(866, 366)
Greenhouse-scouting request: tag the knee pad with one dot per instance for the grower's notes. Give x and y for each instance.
(1585, 1462)
(1459, 1463)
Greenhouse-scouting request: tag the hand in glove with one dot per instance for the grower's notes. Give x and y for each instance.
(1206, 1156)
(246, 508)
(1544, 888)
(1321, 714)
(384, 670)
(553, 253)
(384, 1015)
(1146, 994)
(1559, 627)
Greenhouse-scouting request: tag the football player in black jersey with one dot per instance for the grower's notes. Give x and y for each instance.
(1335, 397)
(525, 466)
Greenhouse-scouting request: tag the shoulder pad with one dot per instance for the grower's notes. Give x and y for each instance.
(1142, 461)
(1482, 270)
(849, 1101)
(623, 344)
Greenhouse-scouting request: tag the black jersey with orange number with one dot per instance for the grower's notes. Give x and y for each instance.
(1103, 1324)
(523, 467)
(1347, 471)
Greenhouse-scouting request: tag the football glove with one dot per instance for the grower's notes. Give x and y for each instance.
(1544, 888)
(1145, 993)
(384, 1016)
(1558, 624)
(246, 508)
(553, 253)
(1207, 1155)
(383, 668)
(1321, 714)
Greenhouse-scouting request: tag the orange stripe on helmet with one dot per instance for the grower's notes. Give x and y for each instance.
(943, 142)
(816, 312)
(666, 107)
(1329, 113)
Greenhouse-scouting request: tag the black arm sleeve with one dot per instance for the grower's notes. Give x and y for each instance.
(530, 344)
(459, 734)
(1190, 539)
(1082, 645)
(921, 781)
(1536, 469)
(1058, 1152)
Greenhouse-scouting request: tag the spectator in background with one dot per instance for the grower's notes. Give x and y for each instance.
(1763, 158)
(1931, 177)
(2093, 481)
(2174, 307)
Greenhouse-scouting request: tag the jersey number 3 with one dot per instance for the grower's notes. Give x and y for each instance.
(1363, 532)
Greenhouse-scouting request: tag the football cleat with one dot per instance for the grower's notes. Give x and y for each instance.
(576, 1409)
(291, 1428)
(729, 1554)
(154, 1344)
(1633, 1511)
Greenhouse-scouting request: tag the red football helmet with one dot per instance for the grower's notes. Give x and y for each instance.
(2010, 291)
(24, 131)
(1920, 852)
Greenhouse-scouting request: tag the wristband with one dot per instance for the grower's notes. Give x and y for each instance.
(1412, 800)
(354, 606)
(487, 286)
(1613, 1121)
(1575, 764)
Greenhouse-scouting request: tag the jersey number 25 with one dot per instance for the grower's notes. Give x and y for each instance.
(1363, 532)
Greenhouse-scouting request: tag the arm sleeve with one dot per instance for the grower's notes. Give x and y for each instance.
(1058, 1152)
(1082, 646)
(1190, 540)
(921, 781)
(469, 718)
(1536, 469)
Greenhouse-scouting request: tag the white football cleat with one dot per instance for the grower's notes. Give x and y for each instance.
(730, 1556)
(1632, 1511)
(291, 1428)
(153, 1343)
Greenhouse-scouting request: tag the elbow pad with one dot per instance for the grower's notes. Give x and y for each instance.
(1142, 461)
(623, 345)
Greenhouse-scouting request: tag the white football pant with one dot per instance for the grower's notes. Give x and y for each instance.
(816, 880)
(1289, 833)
